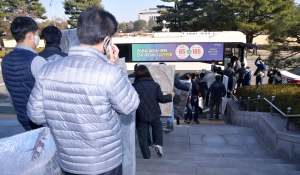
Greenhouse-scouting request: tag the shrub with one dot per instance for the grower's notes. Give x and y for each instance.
(3, 53)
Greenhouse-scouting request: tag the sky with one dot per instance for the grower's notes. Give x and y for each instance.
(123, 10)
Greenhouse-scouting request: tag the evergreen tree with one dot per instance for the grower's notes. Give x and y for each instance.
(73, 8)
(284, 40)
(173, 15)
(250, 17)
(13, 8)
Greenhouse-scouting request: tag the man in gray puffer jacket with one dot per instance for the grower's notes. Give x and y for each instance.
(81, 96)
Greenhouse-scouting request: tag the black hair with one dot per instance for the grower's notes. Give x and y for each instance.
(215, 69)
(218, 77)
(229, 64)
(135, 66)
(219, 69)
(242, 64)
(202, 75)
(193, 75)
(22, 25)
(94, 25)
(213, 61)
(52, 35)
(142, 71)
(187, 76)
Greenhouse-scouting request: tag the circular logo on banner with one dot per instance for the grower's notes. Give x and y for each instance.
(197, 51)
(182, 51)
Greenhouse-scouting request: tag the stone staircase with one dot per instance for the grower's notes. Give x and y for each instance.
(214, 150)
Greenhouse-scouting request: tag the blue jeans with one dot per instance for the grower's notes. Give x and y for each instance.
(259, 80)
(189, 107)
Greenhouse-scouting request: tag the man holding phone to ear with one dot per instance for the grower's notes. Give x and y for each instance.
(82, 96)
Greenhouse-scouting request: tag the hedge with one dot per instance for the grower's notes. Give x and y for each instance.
(286, 95)
(3, 53)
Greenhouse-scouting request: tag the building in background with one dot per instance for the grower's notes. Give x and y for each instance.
(152, 13)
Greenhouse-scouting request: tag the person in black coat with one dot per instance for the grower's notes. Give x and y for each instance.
(148, 112)
(52, 37)
(217, 90)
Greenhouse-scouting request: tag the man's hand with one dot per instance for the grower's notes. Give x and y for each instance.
(173, 94)
(114, 54)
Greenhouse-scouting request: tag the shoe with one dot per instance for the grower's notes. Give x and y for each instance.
(159, 150)
(210, 118)
(216, 118)
(187, 122)
(196, 122)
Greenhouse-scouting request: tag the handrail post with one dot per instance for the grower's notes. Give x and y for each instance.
(288, 119)
(240, 101)
(257, 104)
(271, 107)
(248, 105)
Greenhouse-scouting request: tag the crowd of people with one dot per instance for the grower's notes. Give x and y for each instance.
(76, 96)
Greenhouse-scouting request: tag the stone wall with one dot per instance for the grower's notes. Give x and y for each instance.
(270, 128)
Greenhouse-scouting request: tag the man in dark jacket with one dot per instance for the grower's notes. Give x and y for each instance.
(52, 37)
(229, 72)
(242, 72)
(217, 90)
(260, 72)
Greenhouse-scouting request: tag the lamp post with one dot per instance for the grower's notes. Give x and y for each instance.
(164, 29)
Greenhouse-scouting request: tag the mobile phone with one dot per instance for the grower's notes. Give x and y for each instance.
(107, 44)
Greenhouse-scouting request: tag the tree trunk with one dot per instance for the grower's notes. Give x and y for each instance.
(249, 37)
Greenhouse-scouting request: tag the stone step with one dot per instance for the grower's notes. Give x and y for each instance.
(211, 159)
(158, 169)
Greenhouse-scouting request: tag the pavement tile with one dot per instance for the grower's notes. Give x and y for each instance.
(219, 149)
(253, 140)
(259, 150)
(246, 131)
(212, 139)
(214, 130)
(236, 171)
(166, 169)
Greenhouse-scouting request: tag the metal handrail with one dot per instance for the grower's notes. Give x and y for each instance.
(271, 103)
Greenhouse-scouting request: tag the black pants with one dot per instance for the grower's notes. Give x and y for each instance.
(211, 107)
(142, 129)
(153, 140)
(239, 82)
(229, 89)
(117, 171)
(207, 98)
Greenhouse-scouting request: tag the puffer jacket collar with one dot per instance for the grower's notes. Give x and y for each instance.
(88, 51)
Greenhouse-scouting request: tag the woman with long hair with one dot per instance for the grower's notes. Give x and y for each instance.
(148, 112)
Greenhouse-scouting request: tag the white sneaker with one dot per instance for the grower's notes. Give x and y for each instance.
(159, 150)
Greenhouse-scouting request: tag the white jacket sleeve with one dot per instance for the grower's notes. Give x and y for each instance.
(123, 97)
(35, 108)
